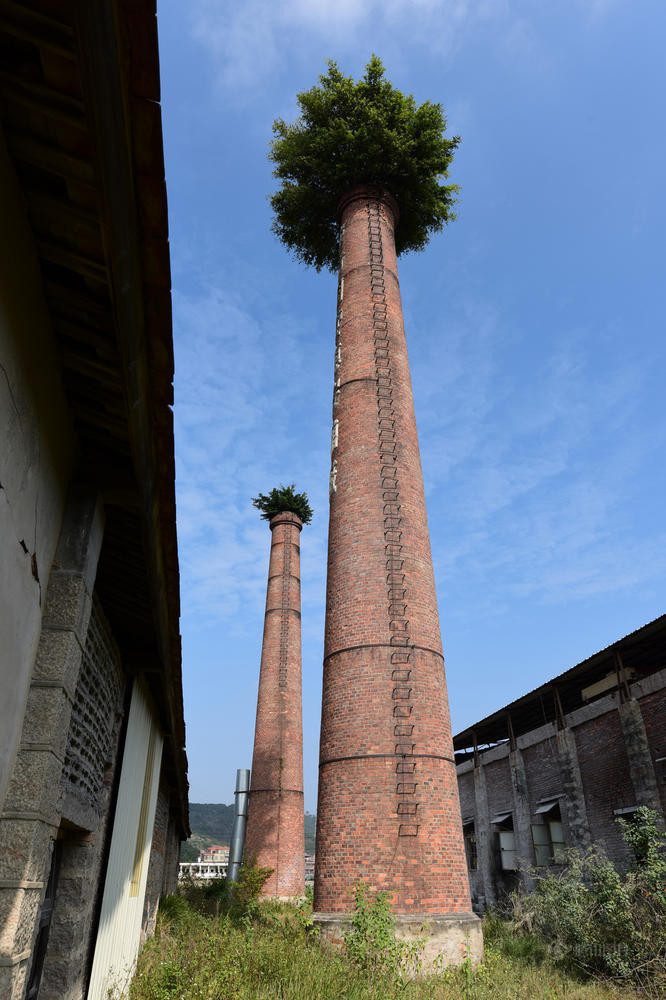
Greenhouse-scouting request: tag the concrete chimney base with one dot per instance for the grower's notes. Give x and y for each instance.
(448, 939)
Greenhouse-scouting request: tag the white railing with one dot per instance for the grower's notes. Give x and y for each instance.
(218, 869)
(202, 869)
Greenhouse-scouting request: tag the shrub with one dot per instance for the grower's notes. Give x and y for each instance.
(219, 897)
(173, 909)
(247, 891)
(599, 920)
(371, 942)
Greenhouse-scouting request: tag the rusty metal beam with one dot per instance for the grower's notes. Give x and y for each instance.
(559, 711)
(512, 735)
(623, 686)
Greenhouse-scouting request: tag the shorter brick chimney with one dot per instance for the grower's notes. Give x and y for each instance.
(275, 831)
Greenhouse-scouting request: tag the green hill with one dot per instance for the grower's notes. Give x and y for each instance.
(211, 823)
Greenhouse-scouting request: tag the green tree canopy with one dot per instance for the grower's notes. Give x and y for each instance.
(283, 499)
(359, 133)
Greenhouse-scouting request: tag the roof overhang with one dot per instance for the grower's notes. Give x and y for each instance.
(630, 659)
(79, 101)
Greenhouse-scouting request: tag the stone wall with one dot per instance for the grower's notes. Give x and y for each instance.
(31, 818)
(87, 780)
(35, 459)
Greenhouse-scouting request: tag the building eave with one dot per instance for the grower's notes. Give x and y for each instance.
(641, 653)
(79, 100)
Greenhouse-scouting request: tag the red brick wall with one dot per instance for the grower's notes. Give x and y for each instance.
(388, 807)
(604, 769)
(466, 793)
(544, 779)
(275, 831)
(498, 786)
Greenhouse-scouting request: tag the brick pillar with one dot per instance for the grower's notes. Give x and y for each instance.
(275, 831)
(639, 756)
(484, 835)
(572, 785)
(522, 814)
(388, 809)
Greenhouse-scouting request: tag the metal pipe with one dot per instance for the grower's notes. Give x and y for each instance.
(237, 845)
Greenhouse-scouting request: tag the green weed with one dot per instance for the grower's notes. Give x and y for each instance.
(198, 955)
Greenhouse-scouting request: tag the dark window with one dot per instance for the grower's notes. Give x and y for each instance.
(469, 834)
(506, 841)
(548, 837)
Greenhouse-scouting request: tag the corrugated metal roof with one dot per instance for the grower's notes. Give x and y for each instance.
(641, 653)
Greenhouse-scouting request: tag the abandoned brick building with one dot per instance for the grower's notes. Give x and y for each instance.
(555, 768)
(93, 786)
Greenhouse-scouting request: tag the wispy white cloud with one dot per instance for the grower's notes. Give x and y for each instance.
(533, 480)
(255, 40)
(240, 380)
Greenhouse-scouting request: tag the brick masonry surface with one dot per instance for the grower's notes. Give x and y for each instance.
(388, 807)
(604, 768)
(275, 835)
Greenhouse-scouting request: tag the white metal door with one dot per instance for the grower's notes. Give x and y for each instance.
(119, 930)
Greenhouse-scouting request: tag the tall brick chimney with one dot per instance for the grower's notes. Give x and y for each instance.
(388, 810)
(275, 834)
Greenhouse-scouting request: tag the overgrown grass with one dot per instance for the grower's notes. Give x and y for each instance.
(585, 920)
(198, 955)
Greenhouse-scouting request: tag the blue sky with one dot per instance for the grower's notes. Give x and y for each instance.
(535, 326)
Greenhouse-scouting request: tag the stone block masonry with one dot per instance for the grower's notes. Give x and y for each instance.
(275, 824)
(388, 809)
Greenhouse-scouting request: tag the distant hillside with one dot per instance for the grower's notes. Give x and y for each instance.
(211, 823)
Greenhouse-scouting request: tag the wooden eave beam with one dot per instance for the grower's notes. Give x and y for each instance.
(99, 419)
(105, 348)
(92, 368)
(33, 151)
(43, 99)
(84, 304)
(71, 260)
(31, 25)
(66, 214)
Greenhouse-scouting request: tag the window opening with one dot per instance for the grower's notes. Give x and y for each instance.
(469, 836)
(507, 841)
(548, 837)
